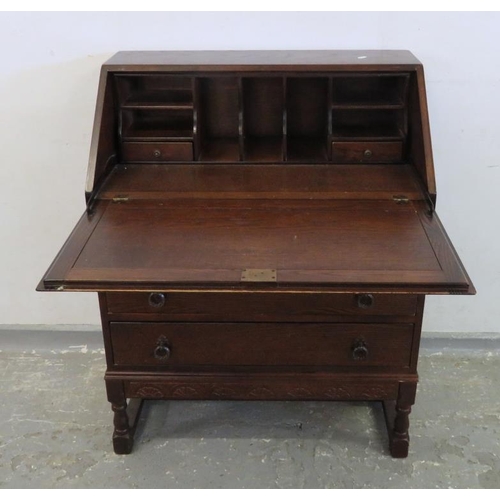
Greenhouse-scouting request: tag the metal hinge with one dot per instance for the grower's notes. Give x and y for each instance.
(120, 199)
(264, 275)
(400, 199)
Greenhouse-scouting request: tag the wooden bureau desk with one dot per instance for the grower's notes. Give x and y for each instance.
(261, 226)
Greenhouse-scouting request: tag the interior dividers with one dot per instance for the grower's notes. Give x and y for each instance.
(244, 84)
(406, 93)
(329, 147)
(285, 122)
(241, 120)
(258, 113)
(197, 129)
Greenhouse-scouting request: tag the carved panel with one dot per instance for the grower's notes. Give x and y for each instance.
(281, 389)
(300, 393)
(224, 391)
(185, 391)
(149, 392)
(261, 393)
(338, 393)
(375, 392)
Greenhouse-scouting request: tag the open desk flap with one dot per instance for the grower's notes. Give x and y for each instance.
(334, 245)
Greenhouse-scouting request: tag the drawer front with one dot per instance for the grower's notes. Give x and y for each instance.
(367, 152)
(251, 306)
(173, 345)
(157, 152)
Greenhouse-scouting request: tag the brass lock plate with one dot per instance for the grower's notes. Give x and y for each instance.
(262, 275)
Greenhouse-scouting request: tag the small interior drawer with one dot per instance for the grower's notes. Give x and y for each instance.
(157, 152)
(250, 306)
(261, 344)
(367, 152)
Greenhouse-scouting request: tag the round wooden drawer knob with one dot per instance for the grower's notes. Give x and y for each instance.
(156, 300)
(367, 153)
(156, 153)
(364, 300)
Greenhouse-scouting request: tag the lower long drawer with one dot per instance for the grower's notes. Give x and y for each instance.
(173, 345)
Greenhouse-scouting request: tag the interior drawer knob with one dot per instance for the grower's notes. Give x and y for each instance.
(367, 153)
(156, 300)
(359, 350)
(365, 300)
(162, 350)
(156, 153)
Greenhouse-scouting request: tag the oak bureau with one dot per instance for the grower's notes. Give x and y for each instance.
(261, 226)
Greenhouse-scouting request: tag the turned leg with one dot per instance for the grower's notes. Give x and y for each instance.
(125, 418)
(123, 439)
(397, 417)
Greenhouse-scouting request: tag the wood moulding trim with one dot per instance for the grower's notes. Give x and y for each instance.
(70, 251)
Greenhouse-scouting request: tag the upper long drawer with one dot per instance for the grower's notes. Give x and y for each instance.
(250, 306)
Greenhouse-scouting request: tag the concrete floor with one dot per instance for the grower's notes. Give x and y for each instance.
(55, 430)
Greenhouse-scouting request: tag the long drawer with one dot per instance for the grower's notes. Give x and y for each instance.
(173, 345)
(252, 306)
